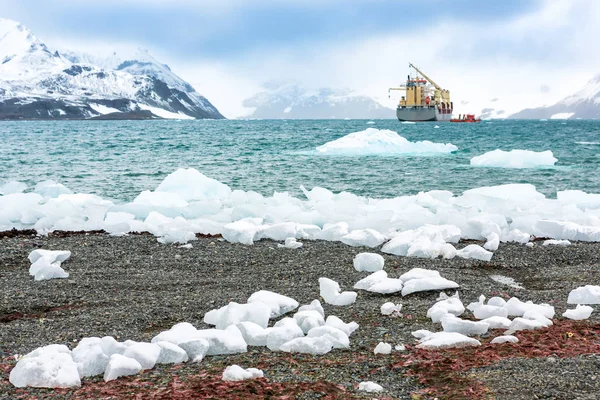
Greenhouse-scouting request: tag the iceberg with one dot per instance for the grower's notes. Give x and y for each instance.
(515, 159)
(382, 142)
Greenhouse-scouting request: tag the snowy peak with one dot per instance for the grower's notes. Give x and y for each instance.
(38, 83)
(584, 104)
(291, 100)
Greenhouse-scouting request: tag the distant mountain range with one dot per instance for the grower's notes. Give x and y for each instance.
(38, 83)
(292, 101)
(584, 104)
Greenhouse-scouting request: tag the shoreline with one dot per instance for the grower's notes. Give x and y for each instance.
(133, 287)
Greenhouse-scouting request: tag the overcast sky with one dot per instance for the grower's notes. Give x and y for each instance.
(505, 54)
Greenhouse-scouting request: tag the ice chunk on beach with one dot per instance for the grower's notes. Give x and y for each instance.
(314, 305)
(475, 252)
(290, 243)
(50, 189)
(339, 338)
(497, 322)
(242, 231)
(279, 303)
(579, 313)
(191, 184)
(419, 273)
(429, 241)
(235, 373)
(505, 339)
(427, 284)
(120, 365)
(566, 230)
(421, 333)
(487, 311)
(171, 353)
(282, 332)
(522, 324)
(383, 142)
(371, 280)
(145, 353)
(333, 232)
(451, 323)
(330, 292)
(336, 322)
(553, 242)
(445, 340)
(178, 333)
(253, 334)
(369, 262)
(390, 308)
(234, 313)
(223, 341)
(364, 237)
(309, 319)
(588, 294)
(195, 349)
(383, 348)
(50, 255)
(450, 304)
(370, 387)
(386, 286)
(89, 357)
(311, 345)
(515, 159)
(110, 346)
(48, 367)
(43, 270)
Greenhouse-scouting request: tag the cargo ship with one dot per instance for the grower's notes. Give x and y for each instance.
(424, 99)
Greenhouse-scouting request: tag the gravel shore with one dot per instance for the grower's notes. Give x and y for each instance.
(133, 287)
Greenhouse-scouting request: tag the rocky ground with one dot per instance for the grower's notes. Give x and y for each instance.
(133, 287)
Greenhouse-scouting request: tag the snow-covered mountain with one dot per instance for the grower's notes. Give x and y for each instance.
(584, 104)
(38, 83)
(292, 101)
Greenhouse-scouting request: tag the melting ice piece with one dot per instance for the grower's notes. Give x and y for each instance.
(171, 354)
(236, 373)
(553, 242)
(339, 338)
(282, 332)
(588, 294)
(314, 305)
(579, 313)
(290, 243)
(505, 339)
(253, 334)
(369, 262)
(309, 319)
(497, 322)
(487, 311)
(445, 340)
(234, 313)
(120, 365)
(426, 284)
(370, 387)
(336, 322)
(475, 252)
(49, 367)
(419, 273)
(145, 353)
(365, 237)
(312, 345)
(383, 348)
(515, 159)
(279, 303)
(451, 323)
(522, 324)
(330, 292)
(390, 308)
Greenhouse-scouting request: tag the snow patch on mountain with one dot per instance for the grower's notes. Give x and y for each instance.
(36, 82)
(584, 104)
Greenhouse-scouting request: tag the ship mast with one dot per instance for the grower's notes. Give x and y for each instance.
(438, 87)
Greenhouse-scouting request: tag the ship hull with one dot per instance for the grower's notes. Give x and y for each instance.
(422, 114)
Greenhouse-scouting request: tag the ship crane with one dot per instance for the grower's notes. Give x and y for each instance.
(438, 87)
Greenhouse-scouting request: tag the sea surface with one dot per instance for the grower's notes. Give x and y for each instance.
(118, 159)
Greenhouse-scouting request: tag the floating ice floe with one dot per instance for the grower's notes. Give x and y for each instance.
(370, 387)
(579, 313)
(589, 294)
(236, 373)
(330, 292)
(369, 262)
(375, 141)
(515, 159)
(45, 264)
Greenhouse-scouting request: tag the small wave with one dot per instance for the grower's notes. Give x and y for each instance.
(588, 143)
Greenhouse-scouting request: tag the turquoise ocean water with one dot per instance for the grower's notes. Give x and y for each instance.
(119, 159)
